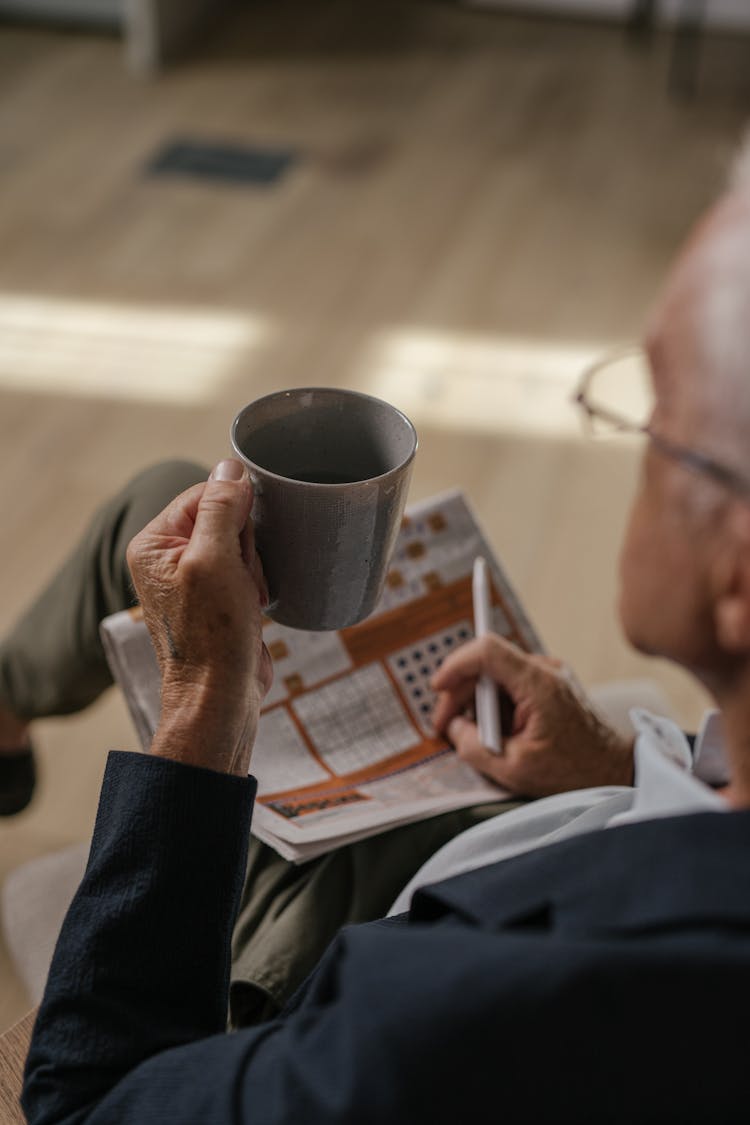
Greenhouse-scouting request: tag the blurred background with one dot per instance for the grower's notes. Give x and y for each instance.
(452, 206)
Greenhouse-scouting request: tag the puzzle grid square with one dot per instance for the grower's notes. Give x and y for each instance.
(413, 666)
(356, 722)
(300, 660)
(280, 757)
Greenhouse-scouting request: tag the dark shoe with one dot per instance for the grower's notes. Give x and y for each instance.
(17, 781)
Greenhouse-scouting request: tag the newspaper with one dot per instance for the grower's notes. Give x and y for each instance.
(345, 747)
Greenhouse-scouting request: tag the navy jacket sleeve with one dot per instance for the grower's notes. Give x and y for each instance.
(142, 962)
(435, 1020)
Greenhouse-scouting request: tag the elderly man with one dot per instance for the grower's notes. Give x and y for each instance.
(596, 979)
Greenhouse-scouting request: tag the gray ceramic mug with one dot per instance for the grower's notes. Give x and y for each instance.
(331, 470)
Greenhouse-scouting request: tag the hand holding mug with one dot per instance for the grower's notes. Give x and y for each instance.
(201, 586)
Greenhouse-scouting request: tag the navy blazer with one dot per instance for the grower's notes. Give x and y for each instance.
(605, 979)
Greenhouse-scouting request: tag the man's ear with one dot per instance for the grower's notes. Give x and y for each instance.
(732, 584)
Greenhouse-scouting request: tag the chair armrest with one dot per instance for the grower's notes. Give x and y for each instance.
(14, 1047)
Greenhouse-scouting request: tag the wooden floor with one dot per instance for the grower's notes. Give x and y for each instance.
(480, 203)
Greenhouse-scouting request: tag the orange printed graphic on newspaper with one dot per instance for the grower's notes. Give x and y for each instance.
(293, 807)
(278, 650)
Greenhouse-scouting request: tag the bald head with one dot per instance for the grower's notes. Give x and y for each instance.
(685, 562)
(699, 335)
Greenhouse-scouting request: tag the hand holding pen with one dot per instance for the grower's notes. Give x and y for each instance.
(555, 741)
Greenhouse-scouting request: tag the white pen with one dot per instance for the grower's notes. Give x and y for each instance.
(487, 702)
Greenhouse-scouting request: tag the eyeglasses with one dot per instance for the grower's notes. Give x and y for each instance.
(616, 396)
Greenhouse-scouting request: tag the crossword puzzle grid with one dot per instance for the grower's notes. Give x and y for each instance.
(432, 545)
(357, 721)
(413, 666)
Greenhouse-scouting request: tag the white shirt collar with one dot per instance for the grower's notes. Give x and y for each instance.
(709, 760)
(666, 784)
(667, 779)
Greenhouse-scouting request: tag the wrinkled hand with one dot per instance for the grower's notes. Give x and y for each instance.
(201, 586)
(557, 743)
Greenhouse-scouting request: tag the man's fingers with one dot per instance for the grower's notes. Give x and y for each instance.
(491, 655)
(170, 530)
(223, 509)
(260, 580)
(464, 735)
(178, 518)
(253, 561)
(266, 669)
(451, 703)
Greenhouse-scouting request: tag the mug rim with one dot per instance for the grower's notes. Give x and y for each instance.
(326, 391)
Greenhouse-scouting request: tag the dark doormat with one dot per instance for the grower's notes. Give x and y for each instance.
(238, 164)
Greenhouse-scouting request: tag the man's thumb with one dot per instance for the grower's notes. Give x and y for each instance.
(231, 469)
(224, 507)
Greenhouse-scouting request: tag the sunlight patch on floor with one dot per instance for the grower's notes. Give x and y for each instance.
(476, 382)
(122, 351)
